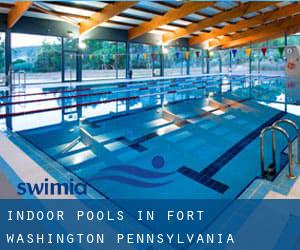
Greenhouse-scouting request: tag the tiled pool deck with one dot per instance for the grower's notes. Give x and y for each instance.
(280, 188)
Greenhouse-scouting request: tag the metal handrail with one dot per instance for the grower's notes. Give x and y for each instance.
(290, 150)
(294, 125)
(70, 145)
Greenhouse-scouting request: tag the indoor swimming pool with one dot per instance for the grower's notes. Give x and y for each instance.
(177, 138)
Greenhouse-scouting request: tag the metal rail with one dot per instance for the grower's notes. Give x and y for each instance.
(71, 145)
(294, 125)
(262, 149)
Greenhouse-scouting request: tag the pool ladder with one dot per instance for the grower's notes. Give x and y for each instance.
(275, 127)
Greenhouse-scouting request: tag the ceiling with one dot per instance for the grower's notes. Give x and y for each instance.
(211, 24)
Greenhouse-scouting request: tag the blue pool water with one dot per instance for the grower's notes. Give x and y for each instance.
(192, 138)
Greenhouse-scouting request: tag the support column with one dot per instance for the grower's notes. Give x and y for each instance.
(162, 61)
(230, 61)
(285, 45)
(207, 62)
(8, 78)
(127, 59)
(79, 66)
(285, 39)
(220, 63)
(188, 61)
(62, 61)
(8, 64)
(202, 62)
(117, 60)
(250, 62)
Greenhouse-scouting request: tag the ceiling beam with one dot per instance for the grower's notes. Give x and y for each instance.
(107, 12)
(290, 31)
(288, 25)
(218, 18)
(263, 38)
(58, 15)
(289, 10)
(170, 16)
(17, 12)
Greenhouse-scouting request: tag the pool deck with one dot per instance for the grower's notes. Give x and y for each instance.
(16, 166)
(280, 188)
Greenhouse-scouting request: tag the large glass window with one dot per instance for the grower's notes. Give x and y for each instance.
(140, 60)
(256, 61)
(144, 60)
(121, 60)
(2, 58)
(273, 63)
(240, 62)
(99, 60)
(35, 58)
(175, 61)
(71, 57)
(196, 62)
(293, 39)
(225, 61)
(214, 62)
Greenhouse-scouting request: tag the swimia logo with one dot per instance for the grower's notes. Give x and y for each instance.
(49, 188)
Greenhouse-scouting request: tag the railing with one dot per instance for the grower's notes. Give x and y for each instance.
(273, 164)
(294, 125)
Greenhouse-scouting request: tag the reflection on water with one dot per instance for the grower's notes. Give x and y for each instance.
(72, 104)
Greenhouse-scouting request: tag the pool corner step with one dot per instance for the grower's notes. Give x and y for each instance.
(205, 176)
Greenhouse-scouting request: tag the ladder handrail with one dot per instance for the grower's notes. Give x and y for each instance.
(70, 145)
(294, 125)
(290, 149)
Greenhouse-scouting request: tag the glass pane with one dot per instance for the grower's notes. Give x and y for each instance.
(36, 59)
(2, 58)
(240, 63)
(70, 59)
(196, 62)
(225, 61)
(175, 62)
(121, 59)
(214, 62)
(99, 60)
(70, 44)
(141, 60)
(272, 63)
(293, 40)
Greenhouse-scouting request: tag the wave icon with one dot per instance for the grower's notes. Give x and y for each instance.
(126, 174)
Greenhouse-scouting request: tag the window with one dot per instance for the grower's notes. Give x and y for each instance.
(240, 63)
(293, 40)
(256, 61)
(121, 60)
(225, 61)
(196, 62)
(99, 60)
(35, 59)
(214, 62)
(175, 61)
(140, 60)
(71, 56)
(144, 60)
(273, 63)
(2, 58)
